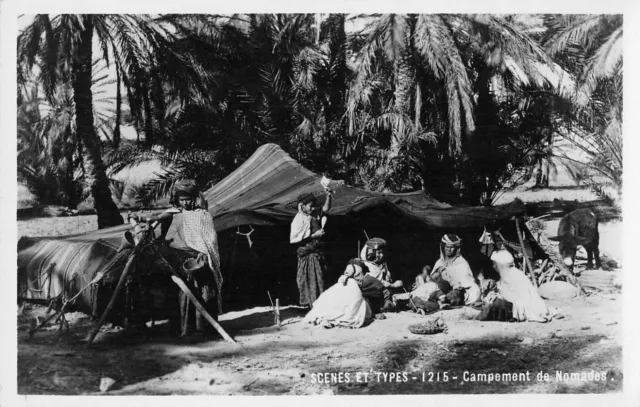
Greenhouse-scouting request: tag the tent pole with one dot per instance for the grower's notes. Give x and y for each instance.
(112, 301)
(526, 262)
(180, 283)
(233, 259)
(176, 279)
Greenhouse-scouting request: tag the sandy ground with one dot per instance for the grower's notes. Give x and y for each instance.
(294, 358)
(299, 358)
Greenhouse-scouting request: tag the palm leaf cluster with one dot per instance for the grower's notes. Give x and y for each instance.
(50, 158)
(461, 105)
(591, 46)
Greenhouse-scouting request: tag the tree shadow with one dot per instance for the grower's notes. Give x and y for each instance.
(491, 355)
(64, 367)
(50, 363)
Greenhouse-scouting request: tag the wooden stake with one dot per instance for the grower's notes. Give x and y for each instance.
(64, 306)
(550, 273)
(41, 324)
(542, 271)
(112, 301)
(524, 254)
(561, 268)
(278, 312)
(176, 279)
(411, 300)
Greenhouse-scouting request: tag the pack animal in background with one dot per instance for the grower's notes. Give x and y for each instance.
(579, 228)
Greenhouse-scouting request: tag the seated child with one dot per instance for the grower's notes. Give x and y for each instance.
(427, 295)
(493, 308)
(426, 288)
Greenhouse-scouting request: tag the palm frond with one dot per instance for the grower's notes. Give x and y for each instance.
(604, 63)
(572, 31)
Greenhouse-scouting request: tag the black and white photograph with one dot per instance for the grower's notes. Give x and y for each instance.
(332, 203)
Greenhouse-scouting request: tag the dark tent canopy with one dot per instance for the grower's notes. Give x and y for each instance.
(263, 191)
(253, 208)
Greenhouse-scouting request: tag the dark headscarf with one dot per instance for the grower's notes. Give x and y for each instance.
(189, 188)
(306, 198)
(185, 187)
(350, 272)
(360, 263)
(376, 243)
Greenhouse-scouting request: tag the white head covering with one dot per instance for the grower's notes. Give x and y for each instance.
(450, 240)
(502, 259)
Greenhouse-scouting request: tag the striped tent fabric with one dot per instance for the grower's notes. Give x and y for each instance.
(261, 192)
(62, 267)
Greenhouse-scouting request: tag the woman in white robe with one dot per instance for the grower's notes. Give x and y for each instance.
(343, 303)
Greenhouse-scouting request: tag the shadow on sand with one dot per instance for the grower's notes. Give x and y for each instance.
(495, 355)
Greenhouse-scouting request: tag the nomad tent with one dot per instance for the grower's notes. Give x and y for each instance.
(253, 208)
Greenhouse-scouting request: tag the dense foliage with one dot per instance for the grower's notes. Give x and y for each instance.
(463, 106)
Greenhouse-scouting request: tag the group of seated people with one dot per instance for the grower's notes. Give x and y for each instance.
(365, 291)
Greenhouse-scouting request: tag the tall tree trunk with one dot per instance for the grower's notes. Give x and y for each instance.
(95, 172)
(404, 84)
(116, 130)
(546, 179)
(158, 102)
(69, 186)
(317, 18)
(402, 99)
(149, 137)
(338, 84)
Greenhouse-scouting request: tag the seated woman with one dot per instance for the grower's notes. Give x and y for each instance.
(374, 257)
(378, 296)
(343, 304)
(454, 269)
(515, 288)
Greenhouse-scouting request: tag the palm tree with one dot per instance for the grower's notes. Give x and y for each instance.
(202, 165)
(51, 123)
(590, 43)
(331, 85)
(437, 65)
(64, 45)
(590, 46)
(277, 80)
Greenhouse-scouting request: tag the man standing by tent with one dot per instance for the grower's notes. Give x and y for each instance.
(190, 224)
(307, 232)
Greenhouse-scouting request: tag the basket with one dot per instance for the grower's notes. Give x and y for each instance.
(428, 328)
